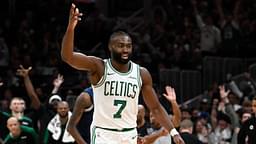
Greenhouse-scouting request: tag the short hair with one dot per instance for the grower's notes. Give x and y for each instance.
(118, 33)
(186, 123)
(254, 98)
(17, 98)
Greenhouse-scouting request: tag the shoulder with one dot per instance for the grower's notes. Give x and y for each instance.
(89, 91)
(27, 129)
(7, 138)
(24, 118)
(145, 75)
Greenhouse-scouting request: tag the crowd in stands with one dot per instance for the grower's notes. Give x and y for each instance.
(180, 34)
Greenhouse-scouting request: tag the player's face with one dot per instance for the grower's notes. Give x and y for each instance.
(62, 109)
(121, 49)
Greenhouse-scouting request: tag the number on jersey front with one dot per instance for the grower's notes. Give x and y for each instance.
(122, 104)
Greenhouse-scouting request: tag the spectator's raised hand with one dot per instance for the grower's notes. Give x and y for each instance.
(22, 71)
(58, 81)
(170, 94)
(223, 93)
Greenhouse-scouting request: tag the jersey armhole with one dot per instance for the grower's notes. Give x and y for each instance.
(103, 78)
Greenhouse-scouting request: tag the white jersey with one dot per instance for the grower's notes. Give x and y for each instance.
(116, 97)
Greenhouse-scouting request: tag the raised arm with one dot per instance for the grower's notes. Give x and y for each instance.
(236, 11)
(82, 101)
(152, 102)
(171, 97)
(57, 83)
(75, 59)
(35, 102)
(220, 12)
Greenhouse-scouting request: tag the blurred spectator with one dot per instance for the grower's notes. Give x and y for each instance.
(19, 133)
(210, 34)
(57, 127)
(45, 112)
(17, 107)
(247, 132)
(229, 24)
(186, 130)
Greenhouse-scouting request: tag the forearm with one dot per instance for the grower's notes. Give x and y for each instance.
(162, 116)
(55, 90)
(177, 113)
(233, 116)
(76, 135)
(67, 45)
(35, 102)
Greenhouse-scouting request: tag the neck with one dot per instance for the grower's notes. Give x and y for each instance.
(17, 114)
(63, 120)
(120, 67)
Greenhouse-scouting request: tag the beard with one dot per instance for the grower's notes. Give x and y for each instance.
(117, 57)
(63, 115)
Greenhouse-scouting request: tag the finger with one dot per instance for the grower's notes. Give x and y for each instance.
(164, 95)
(72, 9)
(30, 68)
(19, 71)
(21, 66)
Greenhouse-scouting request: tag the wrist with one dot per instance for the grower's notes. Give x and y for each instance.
(174, 132)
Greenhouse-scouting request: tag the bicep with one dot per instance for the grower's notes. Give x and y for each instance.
(82, 101)
(149, 94)
(84, 62)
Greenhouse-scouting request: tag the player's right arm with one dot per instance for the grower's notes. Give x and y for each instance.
(75, 59)
(82, 101)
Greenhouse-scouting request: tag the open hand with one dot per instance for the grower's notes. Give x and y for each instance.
(170, 93)
(58, 81)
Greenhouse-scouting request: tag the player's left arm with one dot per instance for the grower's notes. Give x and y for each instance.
(152, 102)
(82, 101)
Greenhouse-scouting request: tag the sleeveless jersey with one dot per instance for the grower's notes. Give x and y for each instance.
(116, 97)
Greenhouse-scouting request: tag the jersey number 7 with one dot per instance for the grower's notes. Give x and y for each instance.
(121, 108)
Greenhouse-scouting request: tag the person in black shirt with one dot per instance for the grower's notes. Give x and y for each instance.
(247, 133)
(186, 129)
(57, 132)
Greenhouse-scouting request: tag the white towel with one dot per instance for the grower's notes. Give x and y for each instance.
(54, 127)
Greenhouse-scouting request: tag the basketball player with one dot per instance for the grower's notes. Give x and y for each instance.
(117, 83)
(80, 121)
